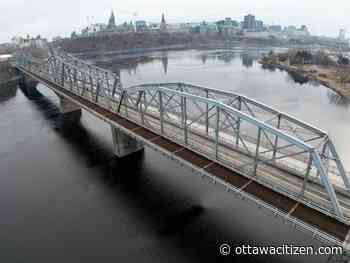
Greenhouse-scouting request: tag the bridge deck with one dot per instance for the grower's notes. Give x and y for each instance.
(284, 204)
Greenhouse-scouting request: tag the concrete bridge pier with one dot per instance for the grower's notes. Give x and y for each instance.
(71, 112)
(28, 85)
(124, 145)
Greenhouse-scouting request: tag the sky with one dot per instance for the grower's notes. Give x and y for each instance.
(60, 17)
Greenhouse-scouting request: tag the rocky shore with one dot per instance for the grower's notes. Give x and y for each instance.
(329, 76)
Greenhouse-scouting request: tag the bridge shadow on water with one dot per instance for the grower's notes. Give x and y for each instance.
(74, 132)
(184, 227)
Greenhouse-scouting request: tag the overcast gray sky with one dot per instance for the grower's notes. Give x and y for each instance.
(60, 17)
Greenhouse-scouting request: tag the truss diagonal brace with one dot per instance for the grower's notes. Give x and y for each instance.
(326, 182)
(339, 165)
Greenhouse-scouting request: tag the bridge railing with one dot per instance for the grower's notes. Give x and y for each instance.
(193, 120)
(240, 133)
(307, 133)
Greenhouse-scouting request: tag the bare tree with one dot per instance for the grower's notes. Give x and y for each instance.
(322, 59)
(344, 75)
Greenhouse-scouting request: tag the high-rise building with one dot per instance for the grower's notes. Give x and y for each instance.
(342, 34)
(249, 23)
(259, 25)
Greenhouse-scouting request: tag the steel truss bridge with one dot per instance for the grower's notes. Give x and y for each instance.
(270, 158)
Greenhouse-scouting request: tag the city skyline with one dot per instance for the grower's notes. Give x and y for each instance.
(39, 19)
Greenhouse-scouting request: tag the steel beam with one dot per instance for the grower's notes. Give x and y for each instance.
(185, 119)
(217, 132)
(306, 178)
(276, 138)
(256, 159)
(327, 184)
(97, 90)
(63, 74)
(340, 166)
(161, 111)
(207, 113)
(239, 107)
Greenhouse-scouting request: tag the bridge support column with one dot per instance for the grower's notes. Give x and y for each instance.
(124, 145)
(71, 112)
(28, 85)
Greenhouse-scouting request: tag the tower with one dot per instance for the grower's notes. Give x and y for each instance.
(249, 23)
(342, 34)
(163, 26)
(111, 21)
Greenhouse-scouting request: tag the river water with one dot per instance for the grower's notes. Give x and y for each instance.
(64, 198)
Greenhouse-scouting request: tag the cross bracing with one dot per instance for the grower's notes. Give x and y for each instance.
(247, 136)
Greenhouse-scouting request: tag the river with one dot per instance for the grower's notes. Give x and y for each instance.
(64, 198)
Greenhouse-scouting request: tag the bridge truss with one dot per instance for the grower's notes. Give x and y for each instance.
(253, 139)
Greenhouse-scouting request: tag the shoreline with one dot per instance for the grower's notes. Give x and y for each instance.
(342, 90)
(178, 47)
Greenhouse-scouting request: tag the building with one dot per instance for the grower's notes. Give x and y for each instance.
(179, 28)
(94, 29)
(249, 23)
(37, 42)
(304, 28)
(141, 26)
(275, 29)
(293, 32)
(259, 27)
(194, 27)
(228, 27)
(126, 27)
(16, 41)
(208, 29)
(255, 34)
(153, 27)
(56, 39)
(111, 26)
(342, 35)
(163, 25)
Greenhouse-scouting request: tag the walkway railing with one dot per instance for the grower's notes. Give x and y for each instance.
(244, 135)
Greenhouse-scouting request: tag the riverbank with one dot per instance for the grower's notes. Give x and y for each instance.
(326, 76)
(148, 42)
(101, 57)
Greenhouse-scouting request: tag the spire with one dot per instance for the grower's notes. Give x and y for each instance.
(163, 26)
(111, 22)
